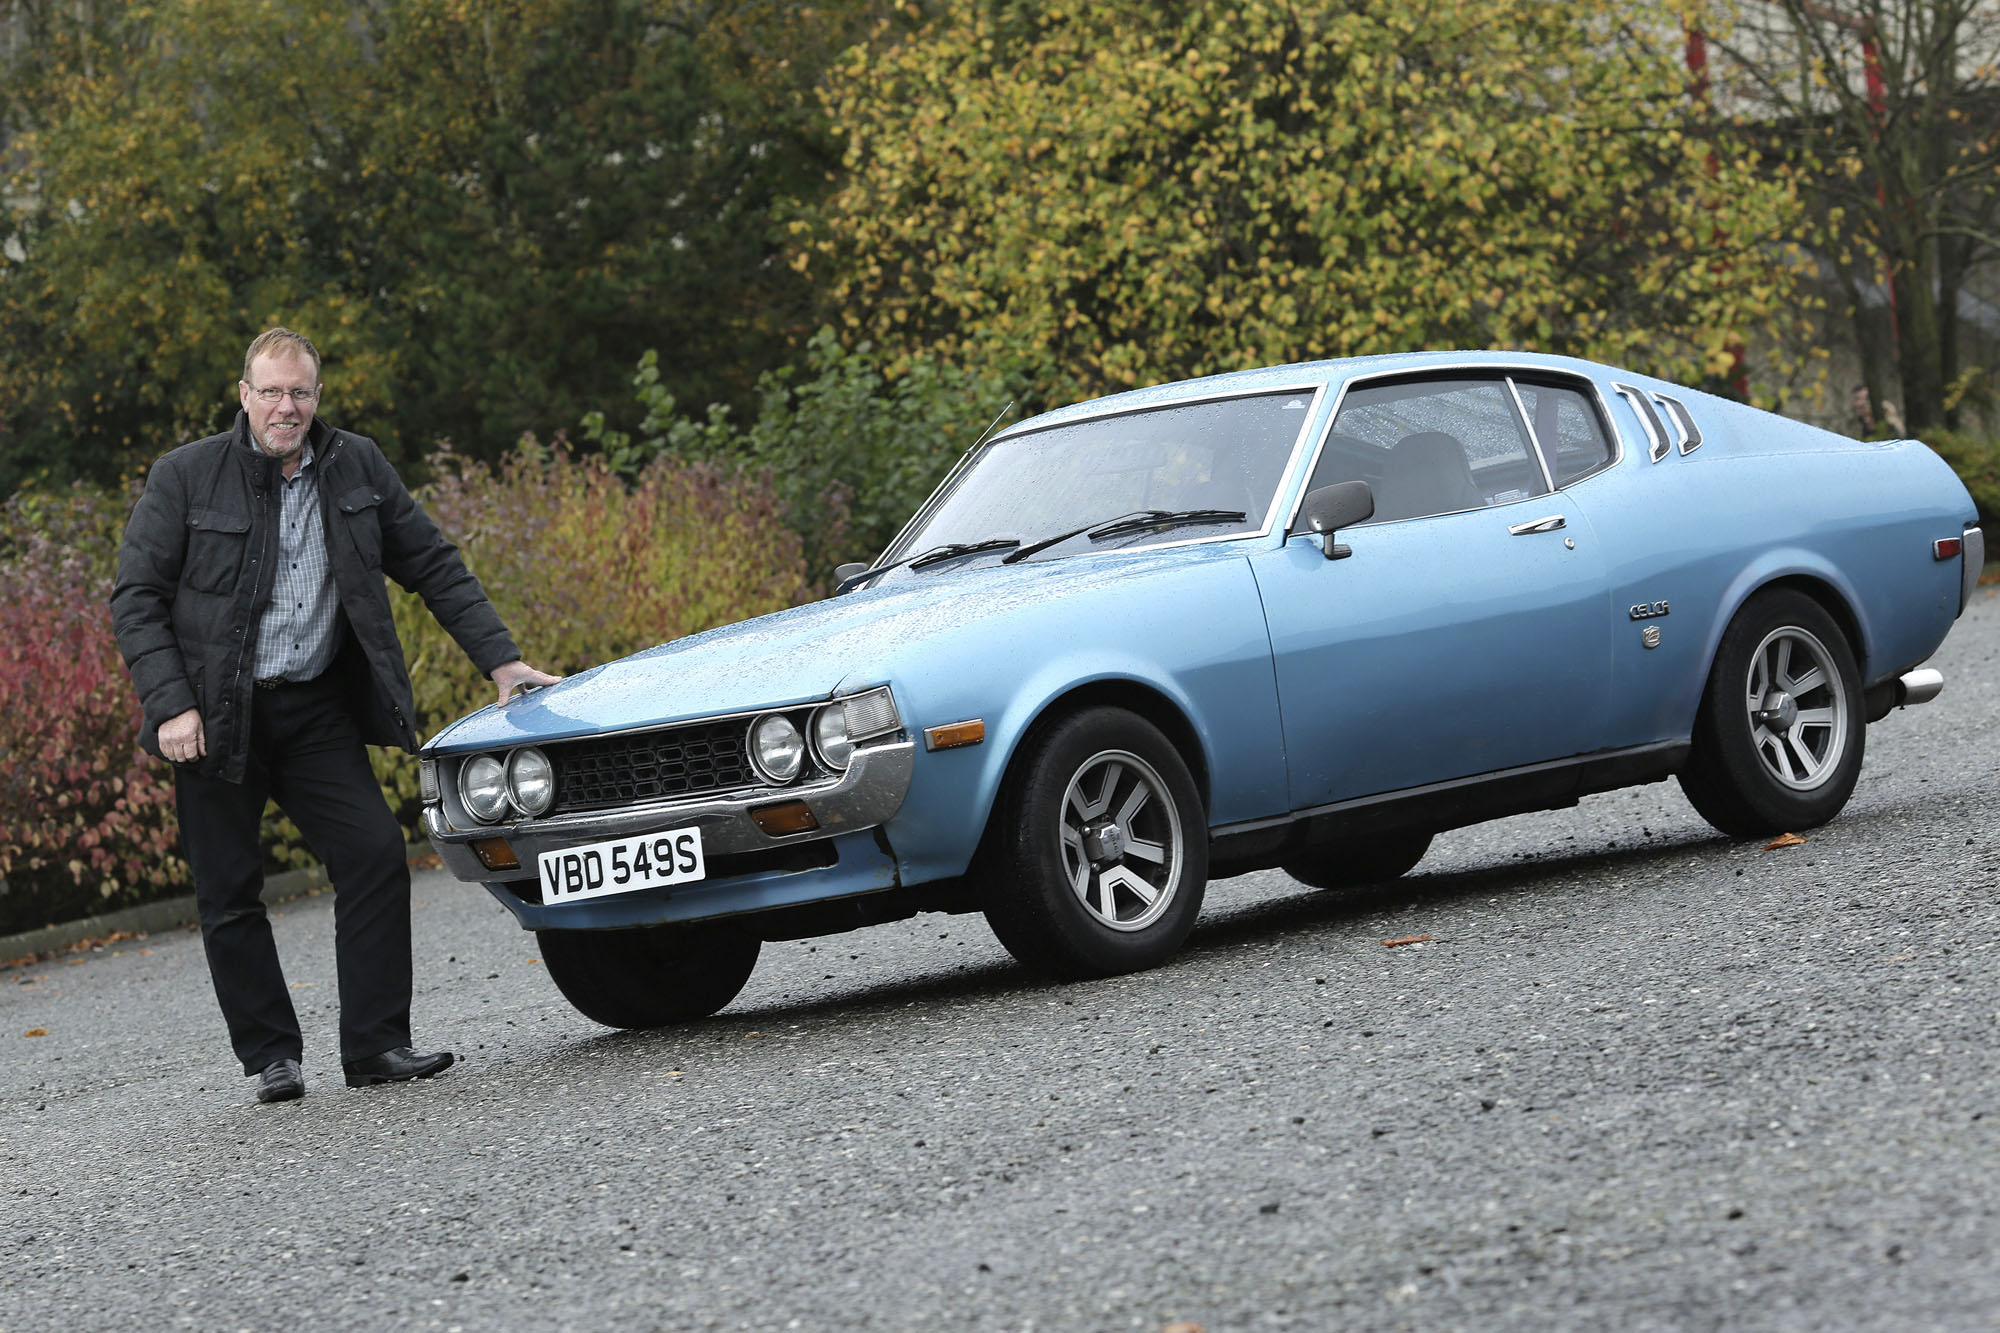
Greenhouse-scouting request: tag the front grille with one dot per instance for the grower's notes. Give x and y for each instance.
(650, 766)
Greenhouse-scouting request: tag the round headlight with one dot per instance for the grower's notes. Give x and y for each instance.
(531, 781)
(483, 784)
(829, 728)
(776, 748)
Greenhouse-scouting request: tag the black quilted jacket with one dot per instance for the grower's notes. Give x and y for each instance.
(194, 571)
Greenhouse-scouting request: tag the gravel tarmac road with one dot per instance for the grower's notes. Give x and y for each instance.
(1638, 1077)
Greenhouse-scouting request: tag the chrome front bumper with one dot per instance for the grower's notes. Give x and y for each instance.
(867, 794)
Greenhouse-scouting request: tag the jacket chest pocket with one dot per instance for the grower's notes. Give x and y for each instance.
(216, 542)
(361, 514)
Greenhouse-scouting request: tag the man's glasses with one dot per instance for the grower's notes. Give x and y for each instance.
(299, 396)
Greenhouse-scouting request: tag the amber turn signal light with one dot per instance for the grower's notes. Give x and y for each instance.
(495, 854)
(786, 817)
(953, 734)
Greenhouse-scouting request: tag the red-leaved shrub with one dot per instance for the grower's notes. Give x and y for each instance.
(86, 817)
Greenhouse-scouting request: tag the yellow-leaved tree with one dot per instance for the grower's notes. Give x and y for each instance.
(481, 210)
(1099, 196)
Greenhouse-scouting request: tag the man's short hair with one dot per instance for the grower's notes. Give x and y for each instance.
(280, 342)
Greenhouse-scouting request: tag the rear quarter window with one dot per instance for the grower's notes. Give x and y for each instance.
(1568, 428)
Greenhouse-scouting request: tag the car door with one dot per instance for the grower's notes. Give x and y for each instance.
(1467, 633)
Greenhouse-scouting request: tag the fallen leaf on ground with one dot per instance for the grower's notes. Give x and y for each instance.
(36, 1032)
(1406, 939)
(1182, 1327)
(1784, 840)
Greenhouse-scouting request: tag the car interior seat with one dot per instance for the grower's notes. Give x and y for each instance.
(1426, 473)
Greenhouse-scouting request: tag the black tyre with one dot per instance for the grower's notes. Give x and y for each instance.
(1779, 738)
(1099, 854)
(1350, 863)
(648, 978)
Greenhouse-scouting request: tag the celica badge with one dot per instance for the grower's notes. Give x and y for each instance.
(1647, 610)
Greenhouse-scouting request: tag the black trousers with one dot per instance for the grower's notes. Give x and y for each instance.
(306, 754)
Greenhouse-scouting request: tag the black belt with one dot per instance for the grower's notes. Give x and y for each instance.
(286, 683)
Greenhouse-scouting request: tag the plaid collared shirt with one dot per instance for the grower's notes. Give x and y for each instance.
(296, 636)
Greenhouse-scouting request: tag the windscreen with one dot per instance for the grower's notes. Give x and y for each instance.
(1225, 454)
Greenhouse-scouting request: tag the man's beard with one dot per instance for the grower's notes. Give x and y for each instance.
(265, 443)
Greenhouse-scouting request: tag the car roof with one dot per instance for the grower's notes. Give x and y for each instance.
(1298, 374)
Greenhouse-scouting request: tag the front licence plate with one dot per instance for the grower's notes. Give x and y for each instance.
(621, 866)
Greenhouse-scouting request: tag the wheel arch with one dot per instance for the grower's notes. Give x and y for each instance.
(1832, 602)
(1824, 585)
(1134, 696)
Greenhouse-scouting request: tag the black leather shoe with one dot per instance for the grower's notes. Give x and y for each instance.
(397, 1066)
(280, 1082)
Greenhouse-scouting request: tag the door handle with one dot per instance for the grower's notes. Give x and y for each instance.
(1549, 524)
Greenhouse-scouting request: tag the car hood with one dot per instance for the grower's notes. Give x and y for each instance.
(802, 653)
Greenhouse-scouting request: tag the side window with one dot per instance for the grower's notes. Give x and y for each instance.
(1567, 425)
(1434, 446)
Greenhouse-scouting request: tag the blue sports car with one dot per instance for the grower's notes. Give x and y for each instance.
(1305, 616)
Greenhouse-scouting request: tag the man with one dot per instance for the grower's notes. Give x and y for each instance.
(251, 611)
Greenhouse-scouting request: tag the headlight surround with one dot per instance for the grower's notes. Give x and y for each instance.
(482, 783)
(531, 781)
(831, 742)
(777, 751)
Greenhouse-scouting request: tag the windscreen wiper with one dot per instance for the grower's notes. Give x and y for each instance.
(1137, 521)
(953, 550)
(1165, 518)
(1045, 543)
(949, 551)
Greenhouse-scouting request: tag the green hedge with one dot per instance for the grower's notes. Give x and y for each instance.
(850, 452)
(1976, 459)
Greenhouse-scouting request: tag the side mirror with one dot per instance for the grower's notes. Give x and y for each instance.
(842, 573)
(1331, 508)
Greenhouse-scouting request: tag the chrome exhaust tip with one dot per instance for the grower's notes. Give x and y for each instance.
(1919, 686)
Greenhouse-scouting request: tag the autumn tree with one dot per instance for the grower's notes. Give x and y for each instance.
(481, 211)
(1896, 106)
(1099, 196)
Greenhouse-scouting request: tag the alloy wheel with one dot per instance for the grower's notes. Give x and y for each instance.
(1121, 836)
(1798, 712)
